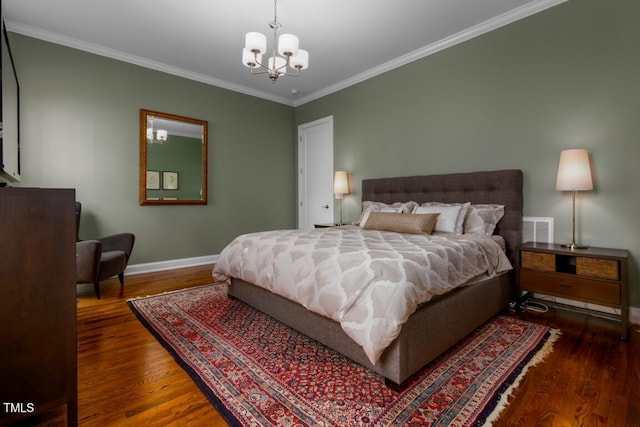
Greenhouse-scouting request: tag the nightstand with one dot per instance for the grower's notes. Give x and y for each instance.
(593, 275)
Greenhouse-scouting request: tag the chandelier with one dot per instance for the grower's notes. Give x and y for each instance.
(160, 134)
(276, 66)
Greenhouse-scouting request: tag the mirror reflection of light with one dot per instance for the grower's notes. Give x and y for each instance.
(161, 135)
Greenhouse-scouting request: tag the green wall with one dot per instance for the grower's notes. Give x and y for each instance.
(568, 77)
(80, 129)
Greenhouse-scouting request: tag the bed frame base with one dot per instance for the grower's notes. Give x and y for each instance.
(431, 330)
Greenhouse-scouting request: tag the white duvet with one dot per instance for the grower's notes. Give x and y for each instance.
(367, 280)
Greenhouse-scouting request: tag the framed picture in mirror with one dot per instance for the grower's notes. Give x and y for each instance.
(169, 180)
(153, 180)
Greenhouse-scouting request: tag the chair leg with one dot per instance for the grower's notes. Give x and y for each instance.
(121, 278)
(96, 286)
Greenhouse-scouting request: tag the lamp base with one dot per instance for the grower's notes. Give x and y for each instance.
(574, 245)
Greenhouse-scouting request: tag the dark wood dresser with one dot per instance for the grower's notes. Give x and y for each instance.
(38, 357)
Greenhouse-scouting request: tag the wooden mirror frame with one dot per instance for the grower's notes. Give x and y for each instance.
(144, 200)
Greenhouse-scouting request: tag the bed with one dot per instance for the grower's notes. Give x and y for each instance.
(444, 320)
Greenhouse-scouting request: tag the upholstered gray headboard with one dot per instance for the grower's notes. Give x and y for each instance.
(500, 187)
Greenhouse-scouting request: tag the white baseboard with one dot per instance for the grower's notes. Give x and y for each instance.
(172, 264)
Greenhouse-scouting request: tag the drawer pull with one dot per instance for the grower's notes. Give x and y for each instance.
(565, 285)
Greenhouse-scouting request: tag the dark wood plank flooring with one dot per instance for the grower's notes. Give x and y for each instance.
(126, 378)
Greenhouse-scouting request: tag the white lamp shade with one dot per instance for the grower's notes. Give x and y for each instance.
(574, 171)
(301, 60)
(288, 45)
(161, 135)
(255, 42)
(249, 59)
(340, 183)
(279, 63)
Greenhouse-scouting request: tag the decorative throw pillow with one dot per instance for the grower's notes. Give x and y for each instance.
(400, 207)
(482, 219)
(451, 216)
(401, 223)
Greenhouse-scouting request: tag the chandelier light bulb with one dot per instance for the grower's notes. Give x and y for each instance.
(301, 60)
(255, 42)
(250, 59)
(288, 45)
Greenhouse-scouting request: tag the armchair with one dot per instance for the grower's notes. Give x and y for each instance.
(102, 258)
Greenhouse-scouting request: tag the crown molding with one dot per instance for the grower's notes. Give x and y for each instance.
(467, 34)
(56, 38)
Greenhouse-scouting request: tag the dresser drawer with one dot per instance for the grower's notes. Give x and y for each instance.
(572, 287)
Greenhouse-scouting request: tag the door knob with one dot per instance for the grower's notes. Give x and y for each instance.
(326, 206)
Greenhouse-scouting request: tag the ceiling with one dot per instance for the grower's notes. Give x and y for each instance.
(348, 40)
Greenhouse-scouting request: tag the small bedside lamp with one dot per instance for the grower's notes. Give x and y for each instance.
(574, 174)
(340, 188)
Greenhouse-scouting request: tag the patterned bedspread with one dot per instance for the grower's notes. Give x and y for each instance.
(367, 280)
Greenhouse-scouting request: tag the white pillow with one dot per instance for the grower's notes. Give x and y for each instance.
(482, 219)
(451, 216)
(365, 214)
(369, 206)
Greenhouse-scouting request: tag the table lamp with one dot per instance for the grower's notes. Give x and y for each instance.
(574, 174)
(340, 188)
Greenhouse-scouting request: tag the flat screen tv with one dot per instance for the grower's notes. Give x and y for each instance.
(10, 113)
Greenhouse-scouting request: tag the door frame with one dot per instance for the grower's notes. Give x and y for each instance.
(302, 166)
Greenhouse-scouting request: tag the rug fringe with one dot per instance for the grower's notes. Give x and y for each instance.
(545, 351)
(175, 291)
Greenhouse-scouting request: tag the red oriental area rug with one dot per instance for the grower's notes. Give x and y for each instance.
(259, 372)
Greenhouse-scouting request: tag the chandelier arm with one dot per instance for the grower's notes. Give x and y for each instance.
(258, 64)
(286, 64)
(287, 73)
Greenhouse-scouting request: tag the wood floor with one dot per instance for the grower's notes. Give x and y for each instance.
(126, 378)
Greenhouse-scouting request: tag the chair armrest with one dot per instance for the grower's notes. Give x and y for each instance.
(88, 260)
(118, 242)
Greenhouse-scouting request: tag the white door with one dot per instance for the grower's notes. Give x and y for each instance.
(315, 173)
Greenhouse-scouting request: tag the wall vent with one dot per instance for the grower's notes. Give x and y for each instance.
(537, 229)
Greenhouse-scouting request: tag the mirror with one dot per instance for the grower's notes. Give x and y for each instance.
(173, 159)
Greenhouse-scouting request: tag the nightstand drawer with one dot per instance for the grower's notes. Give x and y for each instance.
(538, 261)
(597, 267)
(564, 285)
